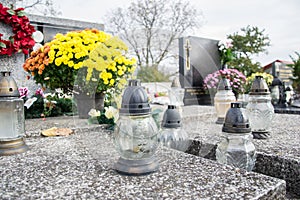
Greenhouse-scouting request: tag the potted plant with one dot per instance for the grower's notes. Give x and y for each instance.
(85, 62)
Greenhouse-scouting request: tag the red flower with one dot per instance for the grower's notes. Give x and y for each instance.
(22, 38)
(16, 19)
(19, 9)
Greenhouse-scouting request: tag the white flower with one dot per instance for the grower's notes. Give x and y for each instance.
(29, 102)
(111, 112)
(94, 113)
(47, 101)
(225, 44)
(49, 95)
(228, 43)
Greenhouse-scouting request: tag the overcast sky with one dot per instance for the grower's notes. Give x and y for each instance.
(280, 19)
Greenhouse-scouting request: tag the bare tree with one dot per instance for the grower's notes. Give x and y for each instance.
(41, 7)
(151, 27)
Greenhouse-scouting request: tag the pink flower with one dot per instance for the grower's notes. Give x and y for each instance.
(40, 92)
(235, 77)
(23, 91)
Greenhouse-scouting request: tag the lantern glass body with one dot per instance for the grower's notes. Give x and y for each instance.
(176, 95)
(260, 112)
(237, 149)
(12, 123)
(136, 137)
(289, 96)
(275, 94)
(222, 102)
(175, 138)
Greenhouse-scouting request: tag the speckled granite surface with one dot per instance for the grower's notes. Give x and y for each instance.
(80, 167)
(278, 156)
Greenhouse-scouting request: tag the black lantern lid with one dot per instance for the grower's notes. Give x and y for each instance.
(259, 86)
(135, 99)
(224, 84)
(287, 89)
(8, 85)
(276, 81)
(171, 118)
(236, 121)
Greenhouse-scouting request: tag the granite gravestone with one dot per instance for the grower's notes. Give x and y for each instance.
(198, 57)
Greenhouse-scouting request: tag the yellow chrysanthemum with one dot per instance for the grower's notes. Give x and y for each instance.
(102, 55)
(112, 81)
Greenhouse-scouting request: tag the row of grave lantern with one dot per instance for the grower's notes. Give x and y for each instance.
(236, 147)
(259, 106)
(136, 134)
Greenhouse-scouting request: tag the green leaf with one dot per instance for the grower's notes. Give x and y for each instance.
(12, 12)
(21, 13)
(2, 45)
(11, 39)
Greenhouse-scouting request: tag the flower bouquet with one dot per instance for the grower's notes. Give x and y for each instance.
(21, 40)
(42, 105)
(235, 77)
(225, 51)
(101, 59)
(107, 116)
(85, 63)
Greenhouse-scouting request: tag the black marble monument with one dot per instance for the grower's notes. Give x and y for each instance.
(198, 57)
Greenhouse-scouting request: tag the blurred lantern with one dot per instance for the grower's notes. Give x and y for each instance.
(260, 108)
(236, 147)
(223, 99)
(136, 133)
(289, 95)
(172, 135)
(12, 120)
(277, 92)
(176, 94)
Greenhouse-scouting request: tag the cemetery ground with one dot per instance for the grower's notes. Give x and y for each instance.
(80, 166)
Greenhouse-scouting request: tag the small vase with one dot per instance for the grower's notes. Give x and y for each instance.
(99, 101)
(84, 104)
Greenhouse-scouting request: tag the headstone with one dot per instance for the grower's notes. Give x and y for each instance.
(198, 57)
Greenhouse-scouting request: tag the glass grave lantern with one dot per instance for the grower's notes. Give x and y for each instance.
(176, 93)
(136, 133)
(260, 108)
(236, 147)
(223, 99)
(172, 135)
(12, 120)
(276, 88)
